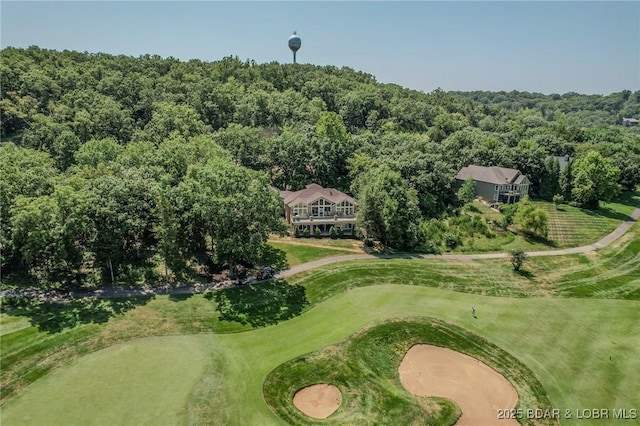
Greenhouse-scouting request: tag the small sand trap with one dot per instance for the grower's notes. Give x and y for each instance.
(479, 390)
(318, 401)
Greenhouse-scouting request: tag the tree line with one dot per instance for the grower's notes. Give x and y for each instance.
(113, 162)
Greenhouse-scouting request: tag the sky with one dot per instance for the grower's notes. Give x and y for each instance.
(548, 47)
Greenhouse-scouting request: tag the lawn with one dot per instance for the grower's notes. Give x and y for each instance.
(564, 319)
(565, 342)
(147, 381)
(568, 226)
(350, 244)
(365, 368)
(298, 253)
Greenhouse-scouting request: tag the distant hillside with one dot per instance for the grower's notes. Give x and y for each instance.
(113, 161)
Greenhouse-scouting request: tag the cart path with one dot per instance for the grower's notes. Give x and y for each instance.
(617, 233)
(117, 292)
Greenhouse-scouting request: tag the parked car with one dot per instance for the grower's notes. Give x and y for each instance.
(265, 273)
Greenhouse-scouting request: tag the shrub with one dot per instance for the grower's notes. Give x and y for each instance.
(509, 212)
(368, 242)
(518, 257)
(318, 233)
(333, 233)
(340, 231)
(430, 247)
(451, 240)
(558, 199)
(306, 233)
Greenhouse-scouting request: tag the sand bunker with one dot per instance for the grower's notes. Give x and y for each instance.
(318, 401)
(479, 390)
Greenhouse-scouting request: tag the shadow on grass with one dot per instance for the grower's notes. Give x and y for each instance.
(53, 317)
(261, 304)
(180, 297)
(526, 274)
(535, 239)
(274, 257)
(606, 212)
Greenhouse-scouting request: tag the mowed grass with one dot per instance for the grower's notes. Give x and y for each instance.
(143, 382)
(613, 274)
(365, 369)
(351, 244)
(568, 226)
(584, 351)
(572, 226)
(298, 253)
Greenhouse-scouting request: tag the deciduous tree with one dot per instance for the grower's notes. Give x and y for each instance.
(388, 210)
(594, 179)
(531, 219)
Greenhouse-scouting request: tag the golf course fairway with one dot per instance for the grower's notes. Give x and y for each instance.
(581, 350)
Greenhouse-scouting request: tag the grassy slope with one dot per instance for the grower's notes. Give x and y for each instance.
(365, 367)
(566, 342)
(562, 346)
(568, 226)
(298, 253)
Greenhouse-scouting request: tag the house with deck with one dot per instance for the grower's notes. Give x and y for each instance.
(315, 207)
(495, 184)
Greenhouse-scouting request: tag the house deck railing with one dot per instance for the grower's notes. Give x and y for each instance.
(323, 216)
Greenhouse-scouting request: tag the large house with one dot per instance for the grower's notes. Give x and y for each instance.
(320, 208)
(495, 184)
(629, 122)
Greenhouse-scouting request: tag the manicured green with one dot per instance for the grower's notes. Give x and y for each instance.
(582, 350)
(365, 369)
(560, 340)
(302, 253)
(143, 382)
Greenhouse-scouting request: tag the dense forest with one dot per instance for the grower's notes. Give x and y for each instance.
(113, 165)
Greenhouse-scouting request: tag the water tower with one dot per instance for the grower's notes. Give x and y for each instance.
(294, 45)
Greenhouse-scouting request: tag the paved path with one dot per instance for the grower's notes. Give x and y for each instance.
(113, 292)
(617, 233)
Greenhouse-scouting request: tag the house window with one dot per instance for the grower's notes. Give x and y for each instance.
(300, 210)
(497, 187)
(344, 208)
(321, 208)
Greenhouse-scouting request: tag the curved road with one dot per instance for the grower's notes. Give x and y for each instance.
(122, 292)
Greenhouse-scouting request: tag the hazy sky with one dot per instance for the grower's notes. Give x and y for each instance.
(548, 47)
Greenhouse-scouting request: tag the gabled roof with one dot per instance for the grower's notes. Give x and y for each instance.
(313, 192)
(494, 175)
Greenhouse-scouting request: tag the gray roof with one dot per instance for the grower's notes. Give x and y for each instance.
(311, 193)
(494, 175)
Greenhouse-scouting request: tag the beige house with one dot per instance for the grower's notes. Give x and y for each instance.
(320, 208)
(495, 184)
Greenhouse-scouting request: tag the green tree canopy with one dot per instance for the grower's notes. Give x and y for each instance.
(466, 193)
(388, 210)
(232, 207)
(532, 220)
(594, 179)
